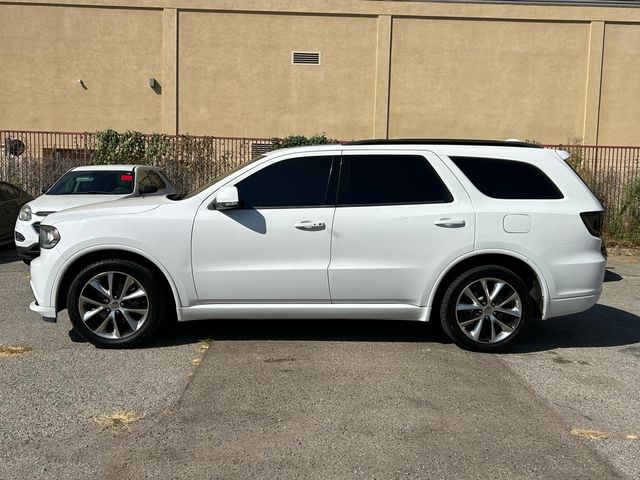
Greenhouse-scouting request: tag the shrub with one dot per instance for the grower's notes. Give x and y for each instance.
(301, 140)
(113, 147)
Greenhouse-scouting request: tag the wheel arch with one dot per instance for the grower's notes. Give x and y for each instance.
(520, 265)
(81, 260)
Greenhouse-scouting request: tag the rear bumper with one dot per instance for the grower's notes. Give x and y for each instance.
(567, 306)
(577, 270)
(575, 274)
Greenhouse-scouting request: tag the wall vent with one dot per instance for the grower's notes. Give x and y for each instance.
(305, 58)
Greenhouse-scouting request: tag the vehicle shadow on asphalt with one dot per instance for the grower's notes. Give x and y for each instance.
(602, 326)
(610, 276)
(8, 254)
(300, 330)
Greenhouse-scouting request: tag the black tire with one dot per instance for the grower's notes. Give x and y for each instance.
(155, 302)
(448, 309)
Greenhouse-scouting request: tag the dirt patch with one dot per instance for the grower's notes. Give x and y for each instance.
(592, 434)
(7, 351)
(118, 419)
(278, 360)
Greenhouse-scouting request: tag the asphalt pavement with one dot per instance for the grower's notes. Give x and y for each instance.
(334, 400)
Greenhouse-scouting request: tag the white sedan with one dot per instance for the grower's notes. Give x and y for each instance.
(83, 186)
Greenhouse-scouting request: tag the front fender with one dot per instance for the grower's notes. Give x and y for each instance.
(180, 292)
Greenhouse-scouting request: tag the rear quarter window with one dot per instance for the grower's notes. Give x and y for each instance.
(508, 179)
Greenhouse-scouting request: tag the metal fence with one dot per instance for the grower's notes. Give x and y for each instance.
(613, 175)
(36, 159)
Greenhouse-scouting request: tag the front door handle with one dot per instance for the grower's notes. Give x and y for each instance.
(310, 225)
(450, 222)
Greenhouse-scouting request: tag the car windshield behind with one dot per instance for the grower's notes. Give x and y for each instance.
(98, 182)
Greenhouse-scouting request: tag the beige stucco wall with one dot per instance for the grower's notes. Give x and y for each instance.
(488, 79)
(45, 50)
(237, 78)
(620, 98)
(389, 68)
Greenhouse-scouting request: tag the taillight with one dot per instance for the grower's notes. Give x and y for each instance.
(594, 222)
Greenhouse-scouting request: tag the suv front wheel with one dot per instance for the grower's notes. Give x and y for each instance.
(485, 309)
(116, 303)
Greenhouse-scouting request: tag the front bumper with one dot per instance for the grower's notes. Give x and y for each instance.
(28, 229)
(26, 239)
(43, 282)
(48, 313)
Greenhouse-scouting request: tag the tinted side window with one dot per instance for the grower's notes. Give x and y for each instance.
(297, 182)
(389, 179)
(508, 179)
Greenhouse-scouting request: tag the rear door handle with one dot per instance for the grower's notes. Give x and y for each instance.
(310, 225)
(450, 222)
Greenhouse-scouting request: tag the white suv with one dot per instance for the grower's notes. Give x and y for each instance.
(482, 235)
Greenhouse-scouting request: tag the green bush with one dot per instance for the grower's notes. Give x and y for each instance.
(301, 141)
(113, 147)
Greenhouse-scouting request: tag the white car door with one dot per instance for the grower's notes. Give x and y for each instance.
(401, 216)
(275, 248)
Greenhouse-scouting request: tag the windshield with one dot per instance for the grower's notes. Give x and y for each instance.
(195, 192)
(105, 182)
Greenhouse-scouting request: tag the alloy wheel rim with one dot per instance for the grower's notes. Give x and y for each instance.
(488, 310)
(113, 305)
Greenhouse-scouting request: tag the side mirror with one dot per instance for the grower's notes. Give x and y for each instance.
(148, 189)
(226, 198)
(45, 189)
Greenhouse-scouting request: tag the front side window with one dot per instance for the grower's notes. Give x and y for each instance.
(105, 182)
(389, 180)
(296, 182)
(508, 179)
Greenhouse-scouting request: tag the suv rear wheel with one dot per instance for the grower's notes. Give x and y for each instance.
(116, 303)
(486, 309)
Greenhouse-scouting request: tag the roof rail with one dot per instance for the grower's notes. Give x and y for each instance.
(444, 141)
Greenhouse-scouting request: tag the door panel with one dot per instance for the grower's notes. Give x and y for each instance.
(386, 254)
(276, 248)
(390, 253)
(259, 256)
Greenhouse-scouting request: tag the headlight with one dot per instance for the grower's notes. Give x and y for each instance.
(49, 236)
(25, 213)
